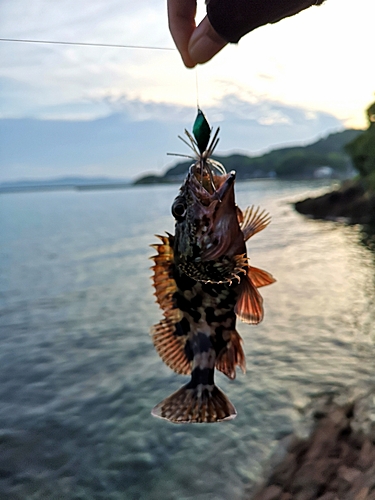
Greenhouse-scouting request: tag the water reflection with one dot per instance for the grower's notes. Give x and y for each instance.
(79, 374)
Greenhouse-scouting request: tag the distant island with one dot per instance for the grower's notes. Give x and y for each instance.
(64, 183)
(323, 158)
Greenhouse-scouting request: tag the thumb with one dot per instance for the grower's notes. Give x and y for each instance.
(205, 43)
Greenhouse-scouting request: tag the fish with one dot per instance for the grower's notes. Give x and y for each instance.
(203, 282)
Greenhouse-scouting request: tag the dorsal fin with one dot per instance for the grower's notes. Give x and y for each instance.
(168, 335)
(170, 346)
(254, 220)
(163, 281)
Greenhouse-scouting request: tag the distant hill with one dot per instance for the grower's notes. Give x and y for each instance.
(284, 163)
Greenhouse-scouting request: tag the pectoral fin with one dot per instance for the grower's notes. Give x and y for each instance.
(249, 306)
(259, 277)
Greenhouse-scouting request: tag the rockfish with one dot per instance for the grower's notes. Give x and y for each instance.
(203, 281)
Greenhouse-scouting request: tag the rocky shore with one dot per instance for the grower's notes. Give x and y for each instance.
(336, 462)
(337, 459)
(351, 202)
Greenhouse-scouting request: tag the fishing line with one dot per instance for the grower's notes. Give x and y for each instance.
(95, 44)
(89, 44)
(196, 86)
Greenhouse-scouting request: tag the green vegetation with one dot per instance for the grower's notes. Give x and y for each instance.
(149, 179)
(354, 201)
(362, 151)
(298, 162)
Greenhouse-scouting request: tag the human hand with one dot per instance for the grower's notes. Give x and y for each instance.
(226, 21)
(196, 44)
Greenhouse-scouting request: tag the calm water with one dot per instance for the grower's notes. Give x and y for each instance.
(79, 374)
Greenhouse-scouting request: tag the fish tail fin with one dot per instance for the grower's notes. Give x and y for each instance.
(201, 404)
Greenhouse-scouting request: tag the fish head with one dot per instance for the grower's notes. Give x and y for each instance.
(207, 227)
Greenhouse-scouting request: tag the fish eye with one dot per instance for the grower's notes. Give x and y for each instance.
(178, 209)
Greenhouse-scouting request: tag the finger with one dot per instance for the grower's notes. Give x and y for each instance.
(205, 42)
(181, 16)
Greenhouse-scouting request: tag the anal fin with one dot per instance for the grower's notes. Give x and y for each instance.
(231, 356)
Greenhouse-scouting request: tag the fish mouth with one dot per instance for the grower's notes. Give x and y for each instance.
(209, 187)
(214, 211)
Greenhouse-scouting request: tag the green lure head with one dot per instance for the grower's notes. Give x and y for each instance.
(201, 131)
(202, 148)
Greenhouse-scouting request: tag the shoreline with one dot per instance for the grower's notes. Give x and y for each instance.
(351, 203)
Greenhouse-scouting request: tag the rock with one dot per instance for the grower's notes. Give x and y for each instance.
(273, 492)
(351, 202)
(336, 462)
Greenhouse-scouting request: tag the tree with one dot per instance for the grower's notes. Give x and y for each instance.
(362, 150)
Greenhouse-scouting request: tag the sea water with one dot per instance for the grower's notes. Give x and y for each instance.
(79, 374)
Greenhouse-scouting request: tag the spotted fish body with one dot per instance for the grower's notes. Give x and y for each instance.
(203, 282)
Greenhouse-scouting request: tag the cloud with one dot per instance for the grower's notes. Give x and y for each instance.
(53, 75)
(291, 61)
(136, 136)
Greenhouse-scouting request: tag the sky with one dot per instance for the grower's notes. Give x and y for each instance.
(74, 110)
